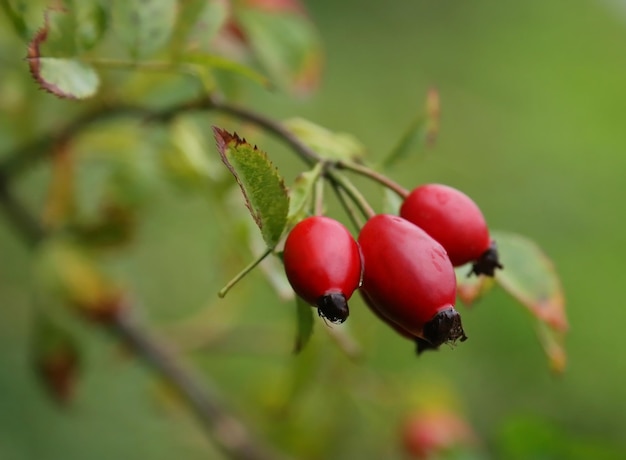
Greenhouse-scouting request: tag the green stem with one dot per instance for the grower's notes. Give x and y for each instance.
(160, 66)
(318, 207)
(355, 195)
(239, 276)
(375, 176)
(347, 206)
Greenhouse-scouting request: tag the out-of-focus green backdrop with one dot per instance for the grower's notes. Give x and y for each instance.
(533, 101)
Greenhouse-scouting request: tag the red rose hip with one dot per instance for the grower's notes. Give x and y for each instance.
(409, 279)
(323, 265)
(421, 345)
(454, 220)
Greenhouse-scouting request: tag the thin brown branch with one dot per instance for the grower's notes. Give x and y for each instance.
(19, 158)
(375, 176)
(229, 434)
(232, 436)
(274, 127)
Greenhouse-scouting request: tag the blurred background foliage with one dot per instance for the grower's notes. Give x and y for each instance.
(532, 104)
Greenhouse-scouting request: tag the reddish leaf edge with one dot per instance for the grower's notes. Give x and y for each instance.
(226, 140)
(33, 57)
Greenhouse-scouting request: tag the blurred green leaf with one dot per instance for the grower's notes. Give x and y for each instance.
(199, 21)
(286, 45)
(304, 315)
(187, 157)
(529, 276)
(263, 189)
(327, 144)
(56, 357)
(207, 62)
(144, 26)
(422, 131)
(60, 201)
(470, 289)
(25, 15)
(90, 21)
(75, 276)
(300, 194)
(65, 78)
(391, 202)
(114, 227)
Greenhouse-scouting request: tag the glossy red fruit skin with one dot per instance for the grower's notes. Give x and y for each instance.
(450, 217)
(322, 259)
(407, 274)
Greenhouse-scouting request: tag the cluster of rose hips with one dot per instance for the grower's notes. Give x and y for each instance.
(403, 265)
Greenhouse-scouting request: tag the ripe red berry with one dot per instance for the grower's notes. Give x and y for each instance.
(454, 220)
(421, 345)
(323, 265)
(409, 279)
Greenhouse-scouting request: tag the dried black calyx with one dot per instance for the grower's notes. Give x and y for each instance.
(487, 262)
(445, 327)
(422, 345)
(333, 307)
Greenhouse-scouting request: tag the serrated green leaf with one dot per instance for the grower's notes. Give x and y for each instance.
(300, 194)
(327, 144)
(304, 323)
(65, 78)
(263, 189)
(529, 276)
(286, 45)
(144, 26)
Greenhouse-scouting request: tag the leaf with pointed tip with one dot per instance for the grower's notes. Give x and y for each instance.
(304, 323)
(263, 189)
(553, 344)
(421, 132)
(327, 144)
(529, 276)
(144, 26)
(470, 289)
(286, 45)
